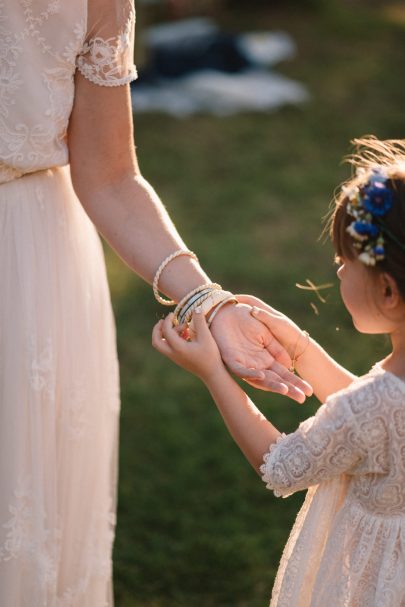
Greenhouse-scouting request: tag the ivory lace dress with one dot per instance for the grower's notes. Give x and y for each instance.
(59, 390)
(347, 547)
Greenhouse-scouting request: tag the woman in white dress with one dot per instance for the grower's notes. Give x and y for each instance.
(67, 167)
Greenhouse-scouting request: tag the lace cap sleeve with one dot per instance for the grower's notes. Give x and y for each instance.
(324, 446)
(106, 57)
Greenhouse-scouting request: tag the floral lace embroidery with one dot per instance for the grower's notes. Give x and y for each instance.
(27, 538)
(19, 526)
(28, 146)
(36, 141)
(41, 367)
(105, 61)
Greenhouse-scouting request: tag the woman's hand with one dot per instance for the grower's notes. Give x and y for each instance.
(252, 352)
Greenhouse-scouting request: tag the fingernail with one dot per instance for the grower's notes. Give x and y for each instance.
(198, 310)
(255, 311)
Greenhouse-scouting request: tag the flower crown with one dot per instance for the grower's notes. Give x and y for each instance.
(368, 204)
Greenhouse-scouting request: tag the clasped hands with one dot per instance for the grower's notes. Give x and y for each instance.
(257, 347)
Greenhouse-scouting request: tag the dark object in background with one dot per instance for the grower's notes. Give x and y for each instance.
(193, 66)
(217, 51)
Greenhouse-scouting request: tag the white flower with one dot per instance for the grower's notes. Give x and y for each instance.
(367, 258)
(101, 53)
(351, 192)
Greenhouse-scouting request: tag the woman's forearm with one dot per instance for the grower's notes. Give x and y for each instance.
(131, 217)
(249, 428)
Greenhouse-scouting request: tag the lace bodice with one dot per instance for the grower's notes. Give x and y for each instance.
(346, 547)
(359, 431)
(42, 43)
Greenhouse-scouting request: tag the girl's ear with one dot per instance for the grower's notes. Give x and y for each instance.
(389, 291)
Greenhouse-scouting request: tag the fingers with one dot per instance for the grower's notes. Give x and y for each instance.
(273, 383)
(278, 352)
(174, 340)
(200, 326)
(290, 377)
(158, 341)
(244, 372)
(250, 300)
(278, 377)
(266, 317)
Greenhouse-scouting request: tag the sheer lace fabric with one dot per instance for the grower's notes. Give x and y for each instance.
(59, 384)
(347, 545)
(107, 57)
(42, 42)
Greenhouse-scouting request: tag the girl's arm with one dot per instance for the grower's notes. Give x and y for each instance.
(249, 428)
(313, 364)
(334, 441)
(246, 424)
(324, 374)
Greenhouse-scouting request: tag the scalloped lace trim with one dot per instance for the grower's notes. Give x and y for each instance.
(108, 62)
(92, 75)
(266, 478)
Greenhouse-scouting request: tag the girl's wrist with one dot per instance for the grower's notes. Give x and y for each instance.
(303, 350)
(215, 377)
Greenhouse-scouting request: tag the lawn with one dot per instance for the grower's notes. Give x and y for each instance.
(196, 527)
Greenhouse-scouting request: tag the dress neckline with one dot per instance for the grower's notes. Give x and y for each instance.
(378, 367)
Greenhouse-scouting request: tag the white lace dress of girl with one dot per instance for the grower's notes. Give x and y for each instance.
(59, 384)
(347, 547)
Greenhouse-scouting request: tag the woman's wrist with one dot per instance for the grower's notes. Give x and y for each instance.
(215, 312)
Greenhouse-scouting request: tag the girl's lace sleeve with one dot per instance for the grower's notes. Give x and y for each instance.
(323, 446)
(107, 55)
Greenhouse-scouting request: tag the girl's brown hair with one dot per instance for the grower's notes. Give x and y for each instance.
(371, 153)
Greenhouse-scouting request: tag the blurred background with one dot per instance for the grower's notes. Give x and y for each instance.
(248, 186)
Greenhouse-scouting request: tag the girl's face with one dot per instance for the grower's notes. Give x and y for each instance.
(360, 294)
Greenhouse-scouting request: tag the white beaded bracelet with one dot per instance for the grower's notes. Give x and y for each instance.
(177, 312)
(165, 262)
(192, 303)
(208, 297)
(215, 298)
(230, 299)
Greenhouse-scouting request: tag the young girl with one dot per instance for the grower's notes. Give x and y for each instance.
(347, 547)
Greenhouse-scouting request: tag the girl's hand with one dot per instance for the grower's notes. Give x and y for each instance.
(285, 331)
(199, 356)
(282, 327)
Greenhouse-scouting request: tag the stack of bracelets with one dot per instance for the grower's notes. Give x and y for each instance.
(205, 297)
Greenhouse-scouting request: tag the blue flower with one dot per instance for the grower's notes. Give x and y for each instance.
(366, 229)
(377, 199)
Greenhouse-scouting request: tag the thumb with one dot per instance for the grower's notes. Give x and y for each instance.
(267, 318)
(200, 325)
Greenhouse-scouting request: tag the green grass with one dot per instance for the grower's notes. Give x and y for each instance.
(196, 527)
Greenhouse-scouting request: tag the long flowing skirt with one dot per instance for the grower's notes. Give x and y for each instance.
(59, 399)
